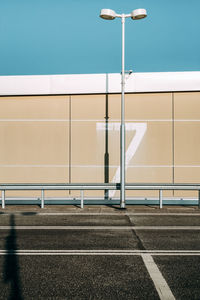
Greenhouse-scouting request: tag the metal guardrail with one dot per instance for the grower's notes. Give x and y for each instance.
(96, 186)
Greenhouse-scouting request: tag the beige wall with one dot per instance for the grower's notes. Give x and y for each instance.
(148, 123)
(34, 140)
(187, 139)
(87, 146)
(51, 139)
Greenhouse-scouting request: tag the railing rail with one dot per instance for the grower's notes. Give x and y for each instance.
(95, 186)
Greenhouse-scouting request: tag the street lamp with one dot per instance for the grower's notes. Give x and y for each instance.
(109, 14)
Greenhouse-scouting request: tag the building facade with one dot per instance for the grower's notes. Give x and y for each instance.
(66, 129)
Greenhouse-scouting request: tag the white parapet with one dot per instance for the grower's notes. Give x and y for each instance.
(99, 83)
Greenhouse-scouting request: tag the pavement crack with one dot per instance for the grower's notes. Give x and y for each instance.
(139, 242)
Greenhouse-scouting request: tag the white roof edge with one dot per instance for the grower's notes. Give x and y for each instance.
(99, 83)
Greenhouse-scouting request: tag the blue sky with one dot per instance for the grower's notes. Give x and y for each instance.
(68, 37)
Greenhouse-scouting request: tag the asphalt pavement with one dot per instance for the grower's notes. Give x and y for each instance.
(99, 253)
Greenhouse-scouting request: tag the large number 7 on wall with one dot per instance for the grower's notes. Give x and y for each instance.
(139, 129)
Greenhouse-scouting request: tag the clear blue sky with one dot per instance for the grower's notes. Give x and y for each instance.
(68, 37)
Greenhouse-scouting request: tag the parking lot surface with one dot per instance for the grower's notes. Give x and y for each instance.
(99, 253)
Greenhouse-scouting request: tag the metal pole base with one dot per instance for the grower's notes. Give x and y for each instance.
(123, 206)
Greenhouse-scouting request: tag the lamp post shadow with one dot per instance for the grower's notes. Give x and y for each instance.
(11, 263)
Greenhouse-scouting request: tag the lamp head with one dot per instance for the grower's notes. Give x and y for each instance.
(138, 14)
(107, 14)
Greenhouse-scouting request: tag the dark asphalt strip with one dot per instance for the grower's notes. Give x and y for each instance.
(80, 278)
(170, 239)
(66, 220)
(71, 239)
(182, 274)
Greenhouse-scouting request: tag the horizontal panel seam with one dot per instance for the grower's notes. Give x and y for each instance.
(95, 166)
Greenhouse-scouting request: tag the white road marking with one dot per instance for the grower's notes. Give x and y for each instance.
(119, 214)
(160, 283)
(96, 214)
(35, 227)
(153, 252)
(164, 214)
(103, 252)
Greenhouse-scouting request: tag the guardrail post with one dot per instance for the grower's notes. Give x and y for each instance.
(160, 198)
(82, 198)
(42, 198)
(198, 198)
(3, 198)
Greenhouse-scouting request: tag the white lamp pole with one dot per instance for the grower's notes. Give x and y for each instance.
(122, 127)
(136, 14)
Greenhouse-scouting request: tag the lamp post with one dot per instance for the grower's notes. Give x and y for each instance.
(109, 14)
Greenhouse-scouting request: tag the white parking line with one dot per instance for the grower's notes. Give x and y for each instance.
(100, 227)
(35, 214)
(119, 214)
(98, 214)
(160, 283)
(113, 250)
(103, 252)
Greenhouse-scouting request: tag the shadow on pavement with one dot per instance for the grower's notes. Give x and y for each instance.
(29, 213)
(11, 264)
(115, 207)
